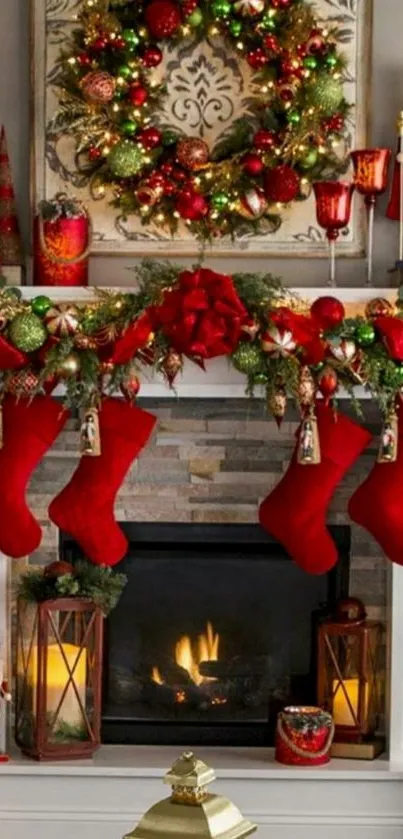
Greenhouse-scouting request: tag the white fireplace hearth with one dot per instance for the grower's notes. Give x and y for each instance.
(105, 797)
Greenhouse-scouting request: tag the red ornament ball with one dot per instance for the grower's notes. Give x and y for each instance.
(57, 569)
(152, 57)
(252, 164)
(131, 386)
(257, 58)
(98, 87)
(328, 383)
(84, 60)
(119, 43)
(264, 140)
(286, 91)
(281, 4)
(271, 43)
(334, 123)
(138, 95)
(191, 206)
(328, 312)
(22, 383)
(94, 153)
(162, 18)
(315, 43)
(192, 153)
(150, 138)
(281, 184)
(99, 44)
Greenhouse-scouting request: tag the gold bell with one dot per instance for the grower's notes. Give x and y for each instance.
(192, 811)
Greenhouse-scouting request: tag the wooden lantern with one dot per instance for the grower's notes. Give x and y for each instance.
(348, 679)
(59, 678)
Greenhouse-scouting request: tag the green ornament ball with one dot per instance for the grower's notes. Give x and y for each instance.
(27, 332)
(40, 305)
(268, 22)
(125, 72)
(169, 138)
(310, 62)
(309, 159)
(331, 60)
(365, 334)
(129, 127)
(12, 293)
(221, 8)
(235, 28)
(326, 93)
(131, 37)
(293, 117)
(125, 159)
(219, 200)
(260, 379)
(247, 358)
(196, 18)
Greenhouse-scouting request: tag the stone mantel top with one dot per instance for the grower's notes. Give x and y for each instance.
(245, 764)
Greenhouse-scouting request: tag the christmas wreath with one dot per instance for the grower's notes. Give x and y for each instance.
(109, 99)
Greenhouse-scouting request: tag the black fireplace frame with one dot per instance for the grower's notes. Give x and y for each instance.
(184, 536)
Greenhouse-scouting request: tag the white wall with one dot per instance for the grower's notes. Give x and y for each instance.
(387, 100)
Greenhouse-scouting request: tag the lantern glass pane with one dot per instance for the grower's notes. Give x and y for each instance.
(68, 676)
(27, 631)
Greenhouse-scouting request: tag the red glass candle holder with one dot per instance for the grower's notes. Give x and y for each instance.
(333, 211)
(371, 168)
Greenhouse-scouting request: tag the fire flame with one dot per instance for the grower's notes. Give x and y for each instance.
(190, 655)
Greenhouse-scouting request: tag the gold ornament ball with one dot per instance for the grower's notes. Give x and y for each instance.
(378, 307)
(192, 153)
(85, 342)
(70, 366)
(107, 368)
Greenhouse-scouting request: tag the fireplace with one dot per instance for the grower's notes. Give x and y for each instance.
(214, 633)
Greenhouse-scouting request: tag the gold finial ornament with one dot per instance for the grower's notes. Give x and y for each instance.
(192, 811)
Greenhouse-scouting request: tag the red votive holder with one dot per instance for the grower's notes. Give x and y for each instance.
(333, 205)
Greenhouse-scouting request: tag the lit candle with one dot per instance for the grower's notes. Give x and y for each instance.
(341, 710)
(57, 676)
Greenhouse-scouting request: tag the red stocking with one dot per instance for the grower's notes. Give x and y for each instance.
(84, 509)
(30, 427)
(377, 504)
(295, 512)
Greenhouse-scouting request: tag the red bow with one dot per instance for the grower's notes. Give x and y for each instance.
(203, 315)
(304, 331)
(135, 337)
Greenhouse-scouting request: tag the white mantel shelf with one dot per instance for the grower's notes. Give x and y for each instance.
(229, 763)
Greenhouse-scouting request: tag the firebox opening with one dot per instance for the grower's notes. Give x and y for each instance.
(214, 634)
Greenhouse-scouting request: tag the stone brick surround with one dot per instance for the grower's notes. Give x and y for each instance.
(212, 461)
